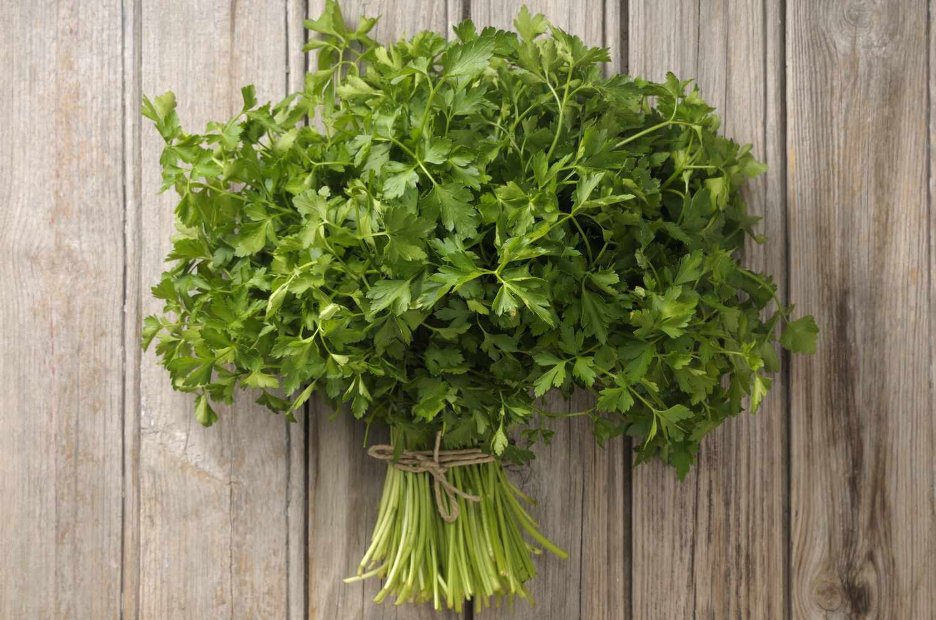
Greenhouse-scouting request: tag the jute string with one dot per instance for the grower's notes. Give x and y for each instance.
(437, 463)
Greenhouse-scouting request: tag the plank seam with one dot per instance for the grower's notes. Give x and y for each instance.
(787, 452)
(130, 239)
(929, 179)
(123, 319)
(306, 577)
(287, 48)
(627, 492)
(623, 41)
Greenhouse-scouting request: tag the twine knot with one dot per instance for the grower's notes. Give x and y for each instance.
(436, 463)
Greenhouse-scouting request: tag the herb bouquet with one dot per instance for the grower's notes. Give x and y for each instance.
(463, 226)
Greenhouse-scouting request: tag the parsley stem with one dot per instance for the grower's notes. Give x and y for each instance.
(411, 154)
(553, 414)
(591, 258)
(644, 400)
(565, 97)
(649, 130)
(432, 92)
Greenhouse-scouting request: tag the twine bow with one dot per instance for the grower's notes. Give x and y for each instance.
(437, 463)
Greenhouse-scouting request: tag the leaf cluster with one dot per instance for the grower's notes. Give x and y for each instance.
(463, 226)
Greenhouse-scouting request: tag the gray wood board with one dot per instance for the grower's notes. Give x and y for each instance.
(715, 544)
(61, 234)
(215, 504)
(863, 520)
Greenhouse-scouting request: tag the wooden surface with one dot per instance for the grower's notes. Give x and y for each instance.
(61, 230)
(218, 529)
(716, 542)
(116, 504)
(863, 528)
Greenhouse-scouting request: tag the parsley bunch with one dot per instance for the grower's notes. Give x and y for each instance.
(464, 226)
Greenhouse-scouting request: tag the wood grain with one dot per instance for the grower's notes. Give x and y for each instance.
(61, 238)
(715, 545)
(344, 483)
(862, 476)
(216, 504)
(133, 299)
(117, 504)
(582, 490)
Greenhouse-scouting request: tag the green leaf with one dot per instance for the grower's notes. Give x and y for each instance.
(397, 183)
(468, 59)
(204, 414)
(690, 268)
(586, 186)
(162, 112)
(670, 419)
(252, 238)
(553, 377)
(249, 94)
(584, 370)
(436, 151)
(595, 316)
(640, 355)
(446, 360)
(530, 26)
(500, 441)
(151, 327)
(353, 86)
(389, 292)
(275, 301)
(258, 379)
(605, 279)
(457, 213)
(504, 302)
(758, 390)
(799, 336)
(615, 399)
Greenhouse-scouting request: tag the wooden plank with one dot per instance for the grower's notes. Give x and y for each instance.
(715, 544)
(862, 476)
(344, 483)
(133, 237)
(215, 503)
(61, 235)
(581, 489)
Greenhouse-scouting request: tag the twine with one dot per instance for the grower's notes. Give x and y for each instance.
(436, 463)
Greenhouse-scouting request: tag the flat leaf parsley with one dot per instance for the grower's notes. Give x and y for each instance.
(462, 227)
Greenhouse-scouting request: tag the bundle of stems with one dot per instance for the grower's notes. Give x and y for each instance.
(481, 554)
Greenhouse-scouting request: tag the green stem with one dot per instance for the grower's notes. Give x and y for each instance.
(565, 98)
(649, 130)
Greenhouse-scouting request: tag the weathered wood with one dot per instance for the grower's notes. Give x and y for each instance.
(62, 363)
(581, 489)
(216, 504)
(715, 545)
(344, 483)
(863, 520)
(133, 298)
(116, 503)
